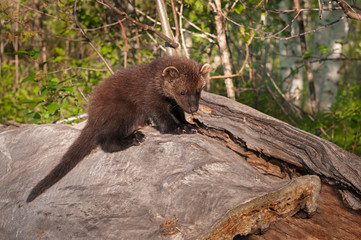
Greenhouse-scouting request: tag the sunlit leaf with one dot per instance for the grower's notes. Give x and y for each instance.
(53, 107)
(60, 51)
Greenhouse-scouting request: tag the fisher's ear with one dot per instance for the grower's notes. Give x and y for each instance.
(170, 73)
(204, 72)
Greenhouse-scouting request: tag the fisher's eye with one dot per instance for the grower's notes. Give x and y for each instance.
(182, 93)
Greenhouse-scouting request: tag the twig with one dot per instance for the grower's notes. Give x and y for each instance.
(320, 4)
(356, 139)
(270, 35)
(126, 43)
(88, 40)
(292, 106)
(81, 92)
(233, 6)
(243, 65)
(289, 24)
(141, 25)
(104, 26)
(287, 11)
(281, 106)
(138, 44)
(174, 10)
(181, 31)
(203, 34)
(337, 59)
(303, 9)
(325, 134)
(43, 13)
(199, 29)
(346, 8)
(72, 118)
(155, 41)
(82, 68)
(259, 3)
(311, 31)
(16, 124)
(147, 16)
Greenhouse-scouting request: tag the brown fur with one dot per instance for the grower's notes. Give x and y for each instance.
(160, 92)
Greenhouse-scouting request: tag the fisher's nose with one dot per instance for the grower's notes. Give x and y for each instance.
(194, 109)
(193, 103)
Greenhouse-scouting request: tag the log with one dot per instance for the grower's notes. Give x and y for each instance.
(186, 186)
(272, 138)
(191, 186)
(331, 221)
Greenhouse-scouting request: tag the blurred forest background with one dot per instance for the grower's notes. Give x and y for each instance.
(298, 61)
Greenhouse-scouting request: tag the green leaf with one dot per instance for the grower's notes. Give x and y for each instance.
(67, 89)
(242, 30)
(36, 89)
(307, 54)
(34, 53)
(45, 62)
(20, 52)
(52, 107)
(23, 92)
(239, 8)
(60, 51)
(29, 78)
(323, 49)
(29, 33)
(59, 59)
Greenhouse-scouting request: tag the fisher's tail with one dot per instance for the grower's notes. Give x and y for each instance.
(85, 143)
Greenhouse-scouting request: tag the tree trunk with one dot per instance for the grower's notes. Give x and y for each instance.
(327, 73)
(222, 42)
(290, 51)
(164, 20)
(16, 48)
(309, 73)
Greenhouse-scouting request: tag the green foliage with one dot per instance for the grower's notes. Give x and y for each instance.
(57, 68)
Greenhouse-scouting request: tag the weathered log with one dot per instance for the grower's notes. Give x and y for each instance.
(331, 221)
(169, 187)
(273, 138)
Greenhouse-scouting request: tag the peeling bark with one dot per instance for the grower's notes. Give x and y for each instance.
(272, 138)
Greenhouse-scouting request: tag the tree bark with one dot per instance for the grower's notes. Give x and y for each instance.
(350, 13)
(289, 56)
(326, 73)
(254, 131)
(16, 48)
(222, 42)
(309, 74)
(164, 20)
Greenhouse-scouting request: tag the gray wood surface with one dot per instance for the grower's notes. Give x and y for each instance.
(274, 138)
(169, 187)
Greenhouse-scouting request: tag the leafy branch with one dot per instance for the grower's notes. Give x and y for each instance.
(145, 27)
(88, 40)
